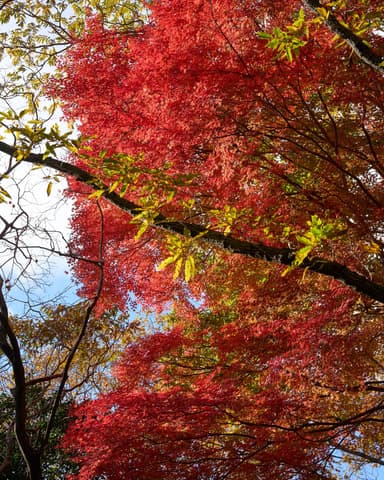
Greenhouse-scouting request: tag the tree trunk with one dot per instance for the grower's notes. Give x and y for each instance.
(34, 468)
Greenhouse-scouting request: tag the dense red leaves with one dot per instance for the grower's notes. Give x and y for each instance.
(128, 263)
(199, 91)
(233, 399)
(267, 372)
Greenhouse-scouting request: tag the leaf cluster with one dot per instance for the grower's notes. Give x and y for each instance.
(288, 42)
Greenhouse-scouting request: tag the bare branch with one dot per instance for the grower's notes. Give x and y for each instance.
(365, 456)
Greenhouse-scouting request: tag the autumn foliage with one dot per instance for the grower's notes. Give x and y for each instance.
(198, 92)
(236, 396)
(249, 118)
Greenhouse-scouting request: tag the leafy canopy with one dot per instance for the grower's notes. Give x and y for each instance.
(278, 127)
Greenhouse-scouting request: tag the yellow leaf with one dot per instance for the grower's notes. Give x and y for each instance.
(189, 268)
(323, 12)
(373, 247)
(97, 194)
(179, 263)
(113, 187)
(165, 263)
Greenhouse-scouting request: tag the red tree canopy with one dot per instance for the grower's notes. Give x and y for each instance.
(245, 117)
(228, 396)
(198, 92)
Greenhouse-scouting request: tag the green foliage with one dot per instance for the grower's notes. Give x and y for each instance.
(288, 42)
(125, 174)
(182, 250)
(318, 232)
(225, 218)
(29, 132)
(36, 31)
(33, 35)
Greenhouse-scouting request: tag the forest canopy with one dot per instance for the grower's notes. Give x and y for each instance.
(226, 170)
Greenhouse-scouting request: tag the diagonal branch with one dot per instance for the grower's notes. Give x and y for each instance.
(355, 453)
(283, 256)
(360, 48)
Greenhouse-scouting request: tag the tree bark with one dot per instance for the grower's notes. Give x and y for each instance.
(361, 49)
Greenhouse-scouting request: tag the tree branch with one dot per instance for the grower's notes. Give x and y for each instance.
(87, 316)
(48, 378)
(365, 456)
(361, 49)
(283, 256)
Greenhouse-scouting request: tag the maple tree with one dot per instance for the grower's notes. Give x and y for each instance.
(263, 129)
(237, 148)
(234, 397)
(246, 124)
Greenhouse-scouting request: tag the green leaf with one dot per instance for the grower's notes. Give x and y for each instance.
(143, 227)
(289, 54)
(264, 35)
(302, 254)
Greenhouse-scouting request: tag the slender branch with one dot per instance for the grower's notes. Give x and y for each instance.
(360, 48)
(78, 341)
(48, 378)
(5, 3)
(363, 455)
(229, 43)
(283, 255)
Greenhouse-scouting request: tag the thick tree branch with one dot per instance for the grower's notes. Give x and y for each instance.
(283, 256)
(361, 49)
